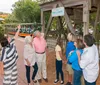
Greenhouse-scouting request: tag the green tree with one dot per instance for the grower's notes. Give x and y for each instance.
(11, 19)
(1, 31)
(27, 11)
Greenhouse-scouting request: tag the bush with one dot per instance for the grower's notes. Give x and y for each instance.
(1, 31)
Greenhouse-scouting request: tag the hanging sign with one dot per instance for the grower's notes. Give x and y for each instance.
(58, 12)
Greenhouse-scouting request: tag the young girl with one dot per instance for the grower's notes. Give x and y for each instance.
(73, 59)
(29, 59)
(59, 62)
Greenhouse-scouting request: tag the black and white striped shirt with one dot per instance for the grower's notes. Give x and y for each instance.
(9, 55)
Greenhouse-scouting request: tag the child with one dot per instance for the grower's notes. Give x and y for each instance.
(69, 47)
(59, 62)
(73, 59)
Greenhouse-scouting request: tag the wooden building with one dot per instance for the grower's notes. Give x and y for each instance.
(79, 9)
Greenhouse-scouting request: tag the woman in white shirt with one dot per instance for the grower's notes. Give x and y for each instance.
(89, 61)
(29, 59)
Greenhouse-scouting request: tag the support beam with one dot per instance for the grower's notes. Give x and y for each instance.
(61, 30)
(85, 18)
(60, 26)
(97, 18)
(42, 21)
(69, 22)
(89, 4)
(67, 19)
(66, 3)
(50, 21)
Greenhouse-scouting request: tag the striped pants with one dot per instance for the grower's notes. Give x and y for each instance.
(10, 76)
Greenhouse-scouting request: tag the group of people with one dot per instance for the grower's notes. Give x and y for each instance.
(35, 56)
(82, 59)
(25, 30)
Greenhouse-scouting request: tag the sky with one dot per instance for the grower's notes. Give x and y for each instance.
(6, 5)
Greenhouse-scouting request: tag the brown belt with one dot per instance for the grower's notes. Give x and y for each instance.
(40, 53)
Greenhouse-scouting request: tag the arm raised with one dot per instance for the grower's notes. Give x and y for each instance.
(17, 33)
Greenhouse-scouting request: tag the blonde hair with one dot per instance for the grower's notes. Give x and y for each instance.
(71, 37)
(28, 39)
(80, 44)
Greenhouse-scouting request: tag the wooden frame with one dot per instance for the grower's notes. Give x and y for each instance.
(85, 4)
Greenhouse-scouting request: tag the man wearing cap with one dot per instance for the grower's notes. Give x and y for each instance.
(40, 44)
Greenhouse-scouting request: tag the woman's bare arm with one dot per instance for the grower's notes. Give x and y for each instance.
(17, 33)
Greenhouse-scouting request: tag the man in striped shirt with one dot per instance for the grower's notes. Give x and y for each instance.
(9, 58)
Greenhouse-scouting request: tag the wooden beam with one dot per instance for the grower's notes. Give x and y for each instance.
(49, 22)
(59, 27)
(69, 23)
(97, 19)
(67, 19)
(61, 30)
(89, 4)
(42, 21)
(66, 3)
(85, 18)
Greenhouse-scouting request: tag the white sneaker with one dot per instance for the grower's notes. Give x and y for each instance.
(56, 81)
(62, 82)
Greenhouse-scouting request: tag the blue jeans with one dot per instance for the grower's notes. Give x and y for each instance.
(59, 70)
(77, 77)
(87, 83)
(28, 72)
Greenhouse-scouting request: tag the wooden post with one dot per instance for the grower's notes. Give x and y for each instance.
(60, 26)
(85, 18)
(61, 30)
(95, 25)
(49, 22)
(67, 19)
(97, 18)
(69, 22)
(89, 4)
(42, 21)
